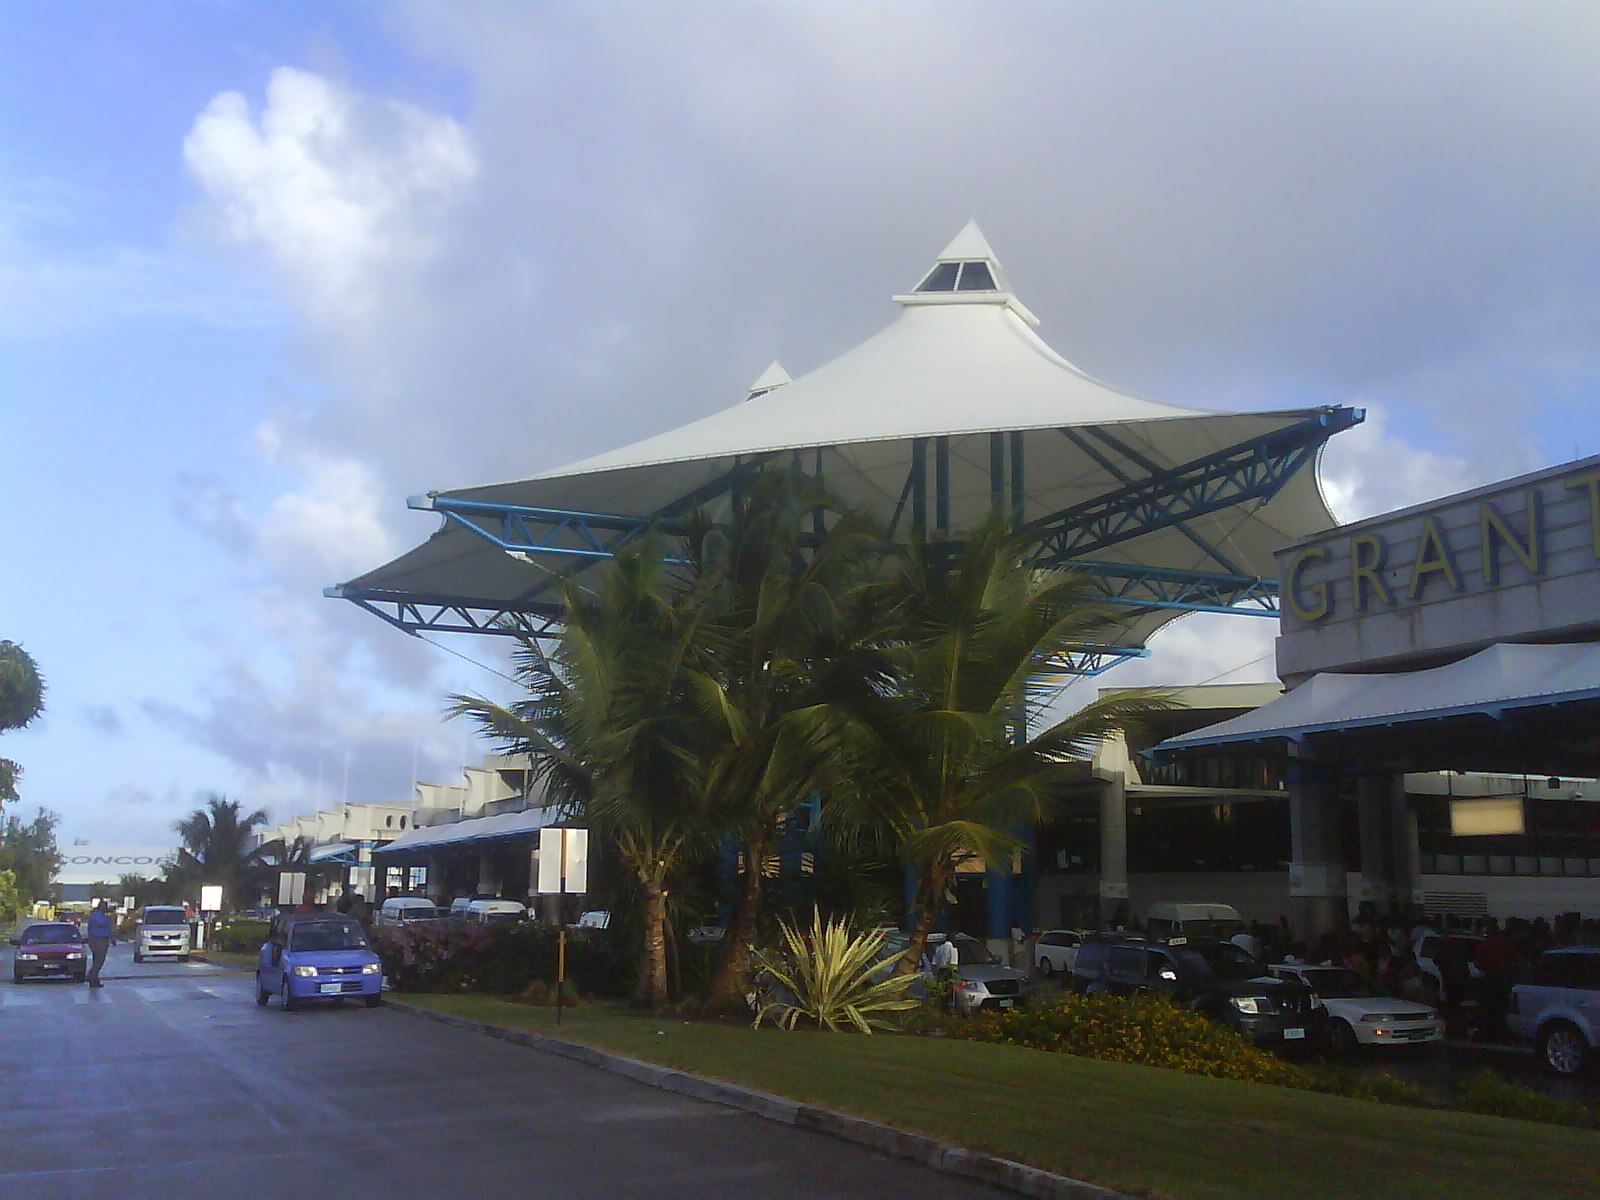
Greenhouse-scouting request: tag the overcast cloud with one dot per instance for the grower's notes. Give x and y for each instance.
(608, 218)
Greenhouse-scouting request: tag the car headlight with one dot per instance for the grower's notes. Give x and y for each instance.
(74, 953)
(1246, 1004)
(305, 972)
(371, 968)
(24, 956)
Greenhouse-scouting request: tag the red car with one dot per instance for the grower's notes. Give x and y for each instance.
(50, 950)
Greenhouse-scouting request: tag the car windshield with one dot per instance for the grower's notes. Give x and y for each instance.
(36, 935)
(165, 916)
(1222, 959)
(422, 912)
(973, 953)
(1336, 983)
(496, 918)
(327, 935)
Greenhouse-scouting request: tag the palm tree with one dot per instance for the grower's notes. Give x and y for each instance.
(942, 763)
(787, 638)
(215, 849)
(609, 732)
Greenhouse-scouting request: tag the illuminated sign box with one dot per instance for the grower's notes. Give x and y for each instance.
(1479, 818)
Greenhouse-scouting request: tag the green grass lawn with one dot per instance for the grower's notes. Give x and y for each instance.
(1136, 1129)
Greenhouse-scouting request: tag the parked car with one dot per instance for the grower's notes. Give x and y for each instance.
(1055, 950)
(1210, 976)
(982, 980)
(1557, 1007)
(1360, 1016)
(405, 910)
(163, 932)
(1437, 952)
(50, 950)
(315, 956)
(483, 911)
(1193, 918)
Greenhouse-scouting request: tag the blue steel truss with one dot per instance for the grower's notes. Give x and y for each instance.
(1163, 498)
(1150, 497)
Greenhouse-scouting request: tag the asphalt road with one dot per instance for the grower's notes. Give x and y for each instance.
(171, 1082)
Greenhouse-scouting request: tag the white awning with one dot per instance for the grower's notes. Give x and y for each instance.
(478, 829)
(332, 850)
(1496, 679)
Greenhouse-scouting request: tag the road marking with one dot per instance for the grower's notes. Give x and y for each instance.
(17, 1000)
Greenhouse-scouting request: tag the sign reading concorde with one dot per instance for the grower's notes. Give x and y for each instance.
(1515, 561)
(107, 864)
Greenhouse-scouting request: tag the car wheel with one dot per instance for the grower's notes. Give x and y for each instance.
(1342, 1039)
(373, 1000)
(289, 1002)
(18, 977)
(1562, 1048)
(137, 957)
(1045, 968)
(183, 958)
(262, 995)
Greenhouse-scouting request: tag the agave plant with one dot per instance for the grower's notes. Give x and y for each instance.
(829, 974)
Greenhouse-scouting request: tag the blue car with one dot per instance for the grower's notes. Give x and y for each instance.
(317, 956)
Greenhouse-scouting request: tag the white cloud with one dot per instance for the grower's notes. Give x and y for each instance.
(342, 191)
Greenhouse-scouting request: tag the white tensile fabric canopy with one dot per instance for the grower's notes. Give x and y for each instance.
(962, 363)
(1495, 679)
(477, 829)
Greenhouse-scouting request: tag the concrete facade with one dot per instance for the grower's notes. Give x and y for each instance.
(1514, 561)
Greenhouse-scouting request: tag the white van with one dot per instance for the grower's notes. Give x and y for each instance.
(163, 933)
(405, 910)
(488, 912)
(1194, 919)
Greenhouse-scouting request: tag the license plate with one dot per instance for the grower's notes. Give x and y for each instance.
(330, 989)
(1291, 1034)
(49, 966)
(1005, 1003)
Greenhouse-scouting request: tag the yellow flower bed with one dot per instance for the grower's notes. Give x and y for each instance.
(1137, 1029)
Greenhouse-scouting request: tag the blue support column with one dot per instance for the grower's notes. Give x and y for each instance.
(997, 895)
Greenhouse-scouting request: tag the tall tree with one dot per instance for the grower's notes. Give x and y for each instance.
(28, 850)
(942, 762)
(608, 729)
(215, 849)
(21, 700)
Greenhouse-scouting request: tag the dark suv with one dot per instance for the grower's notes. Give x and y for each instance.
(1213, 977)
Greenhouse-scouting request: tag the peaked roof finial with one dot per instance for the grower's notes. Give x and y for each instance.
(967, 272)
(969, 243)
(773, 377)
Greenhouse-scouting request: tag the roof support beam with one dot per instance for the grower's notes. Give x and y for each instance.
(1254, 469)
(1184, 591)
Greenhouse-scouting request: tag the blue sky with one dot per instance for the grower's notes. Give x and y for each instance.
(267, 269)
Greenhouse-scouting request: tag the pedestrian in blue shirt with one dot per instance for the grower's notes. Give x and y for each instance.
(102, 935)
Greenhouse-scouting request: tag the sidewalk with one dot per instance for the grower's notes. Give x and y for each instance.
(940, 1156)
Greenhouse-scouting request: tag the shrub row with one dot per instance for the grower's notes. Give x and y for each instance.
(1153, 1031)
(453, 956)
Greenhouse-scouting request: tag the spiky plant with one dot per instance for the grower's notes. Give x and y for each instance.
(827, 974)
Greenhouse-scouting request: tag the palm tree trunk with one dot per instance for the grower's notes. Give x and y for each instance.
(925, 907)
(653, 976)
(727, 989)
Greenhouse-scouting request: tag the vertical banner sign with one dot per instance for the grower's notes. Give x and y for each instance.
(563, 868)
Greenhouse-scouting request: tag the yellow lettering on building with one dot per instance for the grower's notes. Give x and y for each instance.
(1364, 569)
(1320, 605)
(1433, 558)
(1592, 482)
(1494, 532)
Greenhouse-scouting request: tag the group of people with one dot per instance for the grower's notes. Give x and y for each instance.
(1473, 971)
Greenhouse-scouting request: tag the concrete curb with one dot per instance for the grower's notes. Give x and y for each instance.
(940, 1156)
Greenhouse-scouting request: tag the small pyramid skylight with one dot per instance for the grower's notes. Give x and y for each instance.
(771, 379)
(967, 272)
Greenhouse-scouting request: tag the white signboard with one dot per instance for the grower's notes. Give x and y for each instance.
(291, 888)
(563, 861)
(211, 898)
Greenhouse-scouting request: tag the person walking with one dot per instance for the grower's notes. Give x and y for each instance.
(102, 936)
